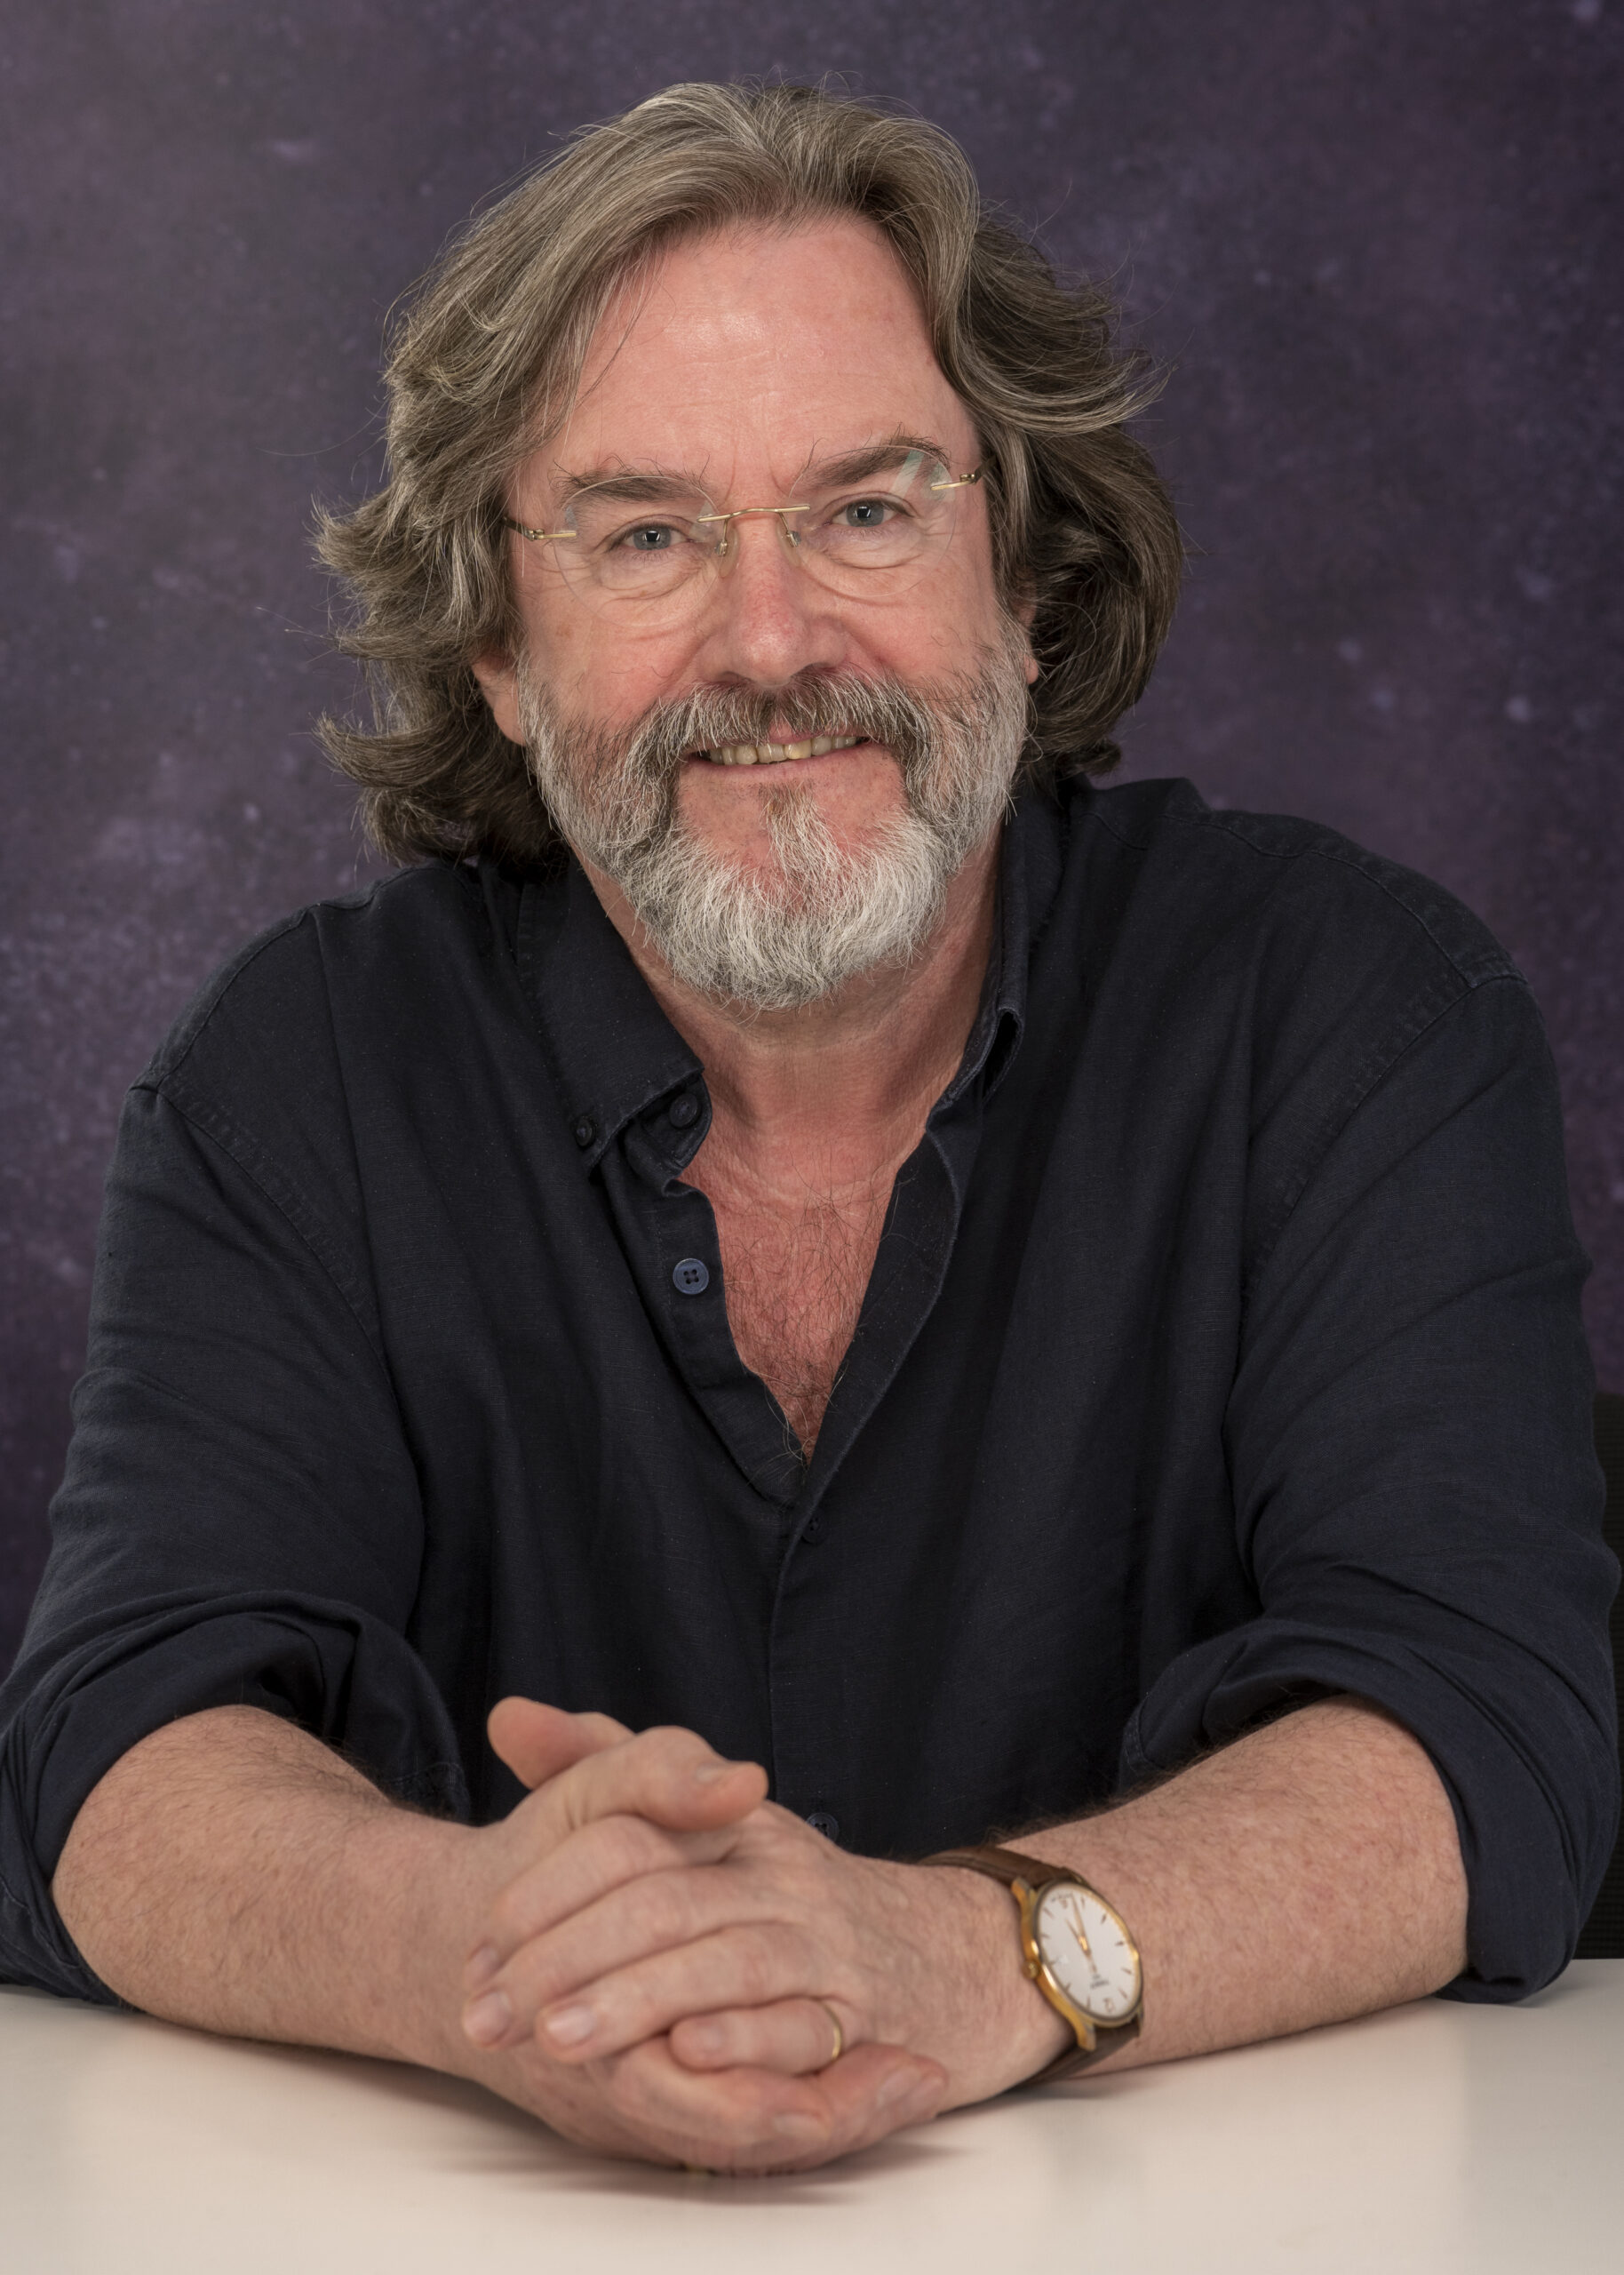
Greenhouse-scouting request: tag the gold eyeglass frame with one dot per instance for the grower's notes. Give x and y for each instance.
(737, 513)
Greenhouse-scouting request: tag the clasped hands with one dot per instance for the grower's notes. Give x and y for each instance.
(666, 1954)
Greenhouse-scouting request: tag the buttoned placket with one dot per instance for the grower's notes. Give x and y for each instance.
(639, 1112)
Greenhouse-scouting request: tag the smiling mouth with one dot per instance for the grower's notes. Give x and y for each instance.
(776, 753)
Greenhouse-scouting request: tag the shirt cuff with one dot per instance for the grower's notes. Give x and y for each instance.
(346, 1677)
(1530, 1874)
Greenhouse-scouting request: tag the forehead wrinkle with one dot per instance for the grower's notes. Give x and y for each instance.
(667, 291)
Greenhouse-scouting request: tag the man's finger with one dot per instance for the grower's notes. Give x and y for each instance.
(601, 1981)
(585, 1867)
(573, 1877)
(753, 1964)
(752, 2120)
(538, 1741)
(792, 2036)
(659, 1918)
(671, 1776)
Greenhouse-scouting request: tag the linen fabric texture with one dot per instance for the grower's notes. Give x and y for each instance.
(1223, 1351)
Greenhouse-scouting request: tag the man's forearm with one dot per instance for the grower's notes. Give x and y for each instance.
(232, 1873)
(1308, 1872)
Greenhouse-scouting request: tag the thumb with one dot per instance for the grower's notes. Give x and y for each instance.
(538, 1742)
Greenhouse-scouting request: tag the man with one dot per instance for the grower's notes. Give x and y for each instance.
(983, 1307)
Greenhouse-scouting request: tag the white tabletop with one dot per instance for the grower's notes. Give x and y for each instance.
(1437, 2137)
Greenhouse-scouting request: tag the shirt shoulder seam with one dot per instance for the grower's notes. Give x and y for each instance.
(1423, 1012)
(262, 1170)
(173, 1054)
(174, 1051)
(1491, 962)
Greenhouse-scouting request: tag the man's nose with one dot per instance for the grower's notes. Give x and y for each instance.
(765, 618)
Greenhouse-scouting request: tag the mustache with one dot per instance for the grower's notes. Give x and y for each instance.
(816, 702)
(613, 788)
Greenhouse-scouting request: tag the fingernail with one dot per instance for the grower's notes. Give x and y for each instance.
(482, 1966)
(796, 2124)
(708, 1772)
(571, 2025)
(488, 2019)
(900, 2085)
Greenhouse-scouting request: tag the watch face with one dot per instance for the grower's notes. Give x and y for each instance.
(1086, 1952)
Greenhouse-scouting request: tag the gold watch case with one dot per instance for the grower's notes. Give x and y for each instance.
(1087, 2027)
(1029, 1881)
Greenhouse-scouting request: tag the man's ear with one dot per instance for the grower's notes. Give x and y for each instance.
(499, 684)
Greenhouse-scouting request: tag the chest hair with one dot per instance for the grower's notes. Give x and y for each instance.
(795, 1281)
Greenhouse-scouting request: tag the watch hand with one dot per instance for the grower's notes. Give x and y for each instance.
(1075, 1911)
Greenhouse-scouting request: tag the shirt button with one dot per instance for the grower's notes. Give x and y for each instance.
(822, 1822)
(584, 1132)
(684, 1110)
(692, 1276)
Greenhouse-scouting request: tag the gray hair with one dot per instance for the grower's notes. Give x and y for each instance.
(485, 357)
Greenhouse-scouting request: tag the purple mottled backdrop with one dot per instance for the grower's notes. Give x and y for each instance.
(1382, 243)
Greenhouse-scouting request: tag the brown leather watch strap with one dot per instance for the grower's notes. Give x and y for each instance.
(1009, 1865)
(1006, 1865)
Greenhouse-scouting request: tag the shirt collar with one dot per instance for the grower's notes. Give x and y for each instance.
(614, 1053)
(1029, 877)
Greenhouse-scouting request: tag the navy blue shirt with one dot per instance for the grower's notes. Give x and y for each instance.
(1222, 1351)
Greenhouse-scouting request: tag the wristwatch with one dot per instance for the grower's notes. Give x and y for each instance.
(1074, 1947)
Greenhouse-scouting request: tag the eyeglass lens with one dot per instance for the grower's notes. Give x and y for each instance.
(621, 545)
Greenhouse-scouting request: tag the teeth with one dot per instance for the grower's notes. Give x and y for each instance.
(774, 753)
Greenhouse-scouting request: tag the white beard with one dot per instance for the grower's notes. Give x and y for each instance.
(778, 938)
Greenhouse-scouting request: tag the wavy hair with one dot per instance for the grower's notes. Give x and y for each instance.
(485, 357)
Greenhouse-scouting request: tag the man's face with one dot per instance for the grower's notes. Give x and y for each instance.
(747, 359)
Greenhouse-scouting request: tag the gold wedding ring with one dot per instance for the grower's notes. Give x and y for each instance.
(839, 2035)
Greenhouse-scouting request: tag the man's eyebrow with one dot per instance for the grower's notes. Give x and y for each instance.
(870, 457)
(630, 486)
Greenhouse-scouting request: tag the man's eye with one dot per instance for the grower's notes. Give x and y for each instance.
(649, 537)
(865, 514)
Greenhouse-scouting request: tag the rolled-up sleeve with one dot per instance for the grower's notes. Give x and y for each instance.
(1416, 1493)
(240, 1519)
